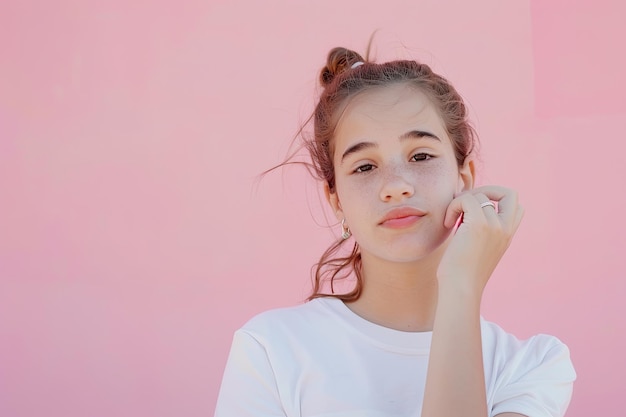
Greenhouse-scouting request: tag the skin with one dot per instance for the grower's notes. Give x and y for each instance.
(427, 274)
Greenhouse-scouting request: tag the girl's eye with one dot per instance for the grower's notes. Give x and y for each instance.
(364, 168)
(421, 157)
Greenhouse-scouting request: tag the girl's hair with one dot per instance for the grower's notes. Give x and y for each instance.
(345, 75)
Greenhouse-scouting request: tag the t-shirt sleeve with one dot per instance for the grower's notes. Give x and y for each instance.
(248, 386)
(536, 380)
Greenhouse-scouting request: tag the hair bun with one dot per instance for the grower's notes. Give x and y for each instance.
(338, 61)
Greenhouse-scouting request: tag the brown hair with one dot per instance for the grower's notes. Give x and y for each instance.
(341, 80)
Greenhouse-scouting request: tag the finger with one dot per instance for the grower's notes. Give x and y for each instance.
(489, 208)
(454, 212)
(519, 215)
(464, 203)
(506, 198)
(467, 205)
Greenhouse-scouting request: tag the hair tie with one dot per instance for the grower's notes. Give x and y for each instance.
(357, 64)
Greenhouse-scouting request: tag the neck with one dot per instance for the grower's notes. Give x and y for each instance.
(401, 296)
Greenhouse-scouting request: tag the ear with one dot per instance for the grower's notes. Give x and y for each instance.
(466, 175)
(333, 200)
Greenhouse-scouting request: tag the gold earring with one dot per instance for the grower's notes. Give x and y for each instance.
(345, 229)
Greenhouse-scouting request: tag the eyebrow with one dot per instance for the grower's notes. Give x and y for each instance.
(413, 134)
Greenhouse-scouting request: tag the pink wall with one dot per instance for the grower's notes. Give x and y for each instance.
(134, 239)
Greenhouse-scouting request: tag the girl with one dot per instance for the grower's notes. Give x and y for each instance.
(394, 149)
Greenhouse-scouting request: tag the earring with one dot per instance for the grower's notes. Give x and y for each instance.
(345, 229)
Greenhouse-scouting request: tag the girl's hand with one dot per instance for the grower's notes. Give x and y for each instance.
(482, 237)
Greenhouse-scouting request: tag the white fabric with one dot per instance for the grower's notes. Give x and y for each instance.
(321, 359)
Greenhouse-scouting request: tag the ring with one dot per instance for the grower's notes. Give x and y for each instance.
(488, 203)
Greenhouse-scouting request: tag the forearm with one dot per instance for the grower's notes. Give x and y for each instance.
(455, 383)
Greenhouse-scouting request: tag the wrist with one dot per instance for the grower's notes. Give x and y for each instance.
(460, 288)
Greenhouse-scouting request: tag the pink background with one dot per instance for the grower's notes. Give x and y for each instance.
(134, 237)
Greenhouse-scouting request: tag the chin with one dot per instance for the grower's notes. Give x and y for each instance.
(414, 256)
(411, 246)
(410, 251)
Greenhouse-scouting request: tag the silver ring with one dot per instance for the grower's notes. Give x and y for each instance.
(488, 203)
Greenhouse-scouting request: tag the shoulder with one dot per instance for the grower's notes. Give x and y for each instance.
(300, 321)
(533, 376)
(500, 342)
(289, 316)
(505, 348)
(291, 337)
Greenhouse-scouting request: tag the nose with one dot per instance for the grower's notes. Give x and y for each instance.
(396, 188)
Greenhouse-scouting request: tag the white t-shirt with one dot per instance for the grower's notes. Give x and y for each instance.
(321, 359)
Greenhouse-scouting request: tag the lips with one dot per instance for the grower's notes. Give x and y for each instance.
(401, 217)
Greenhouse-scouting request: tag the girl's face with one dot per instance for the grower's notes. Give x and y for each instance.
(396, 173)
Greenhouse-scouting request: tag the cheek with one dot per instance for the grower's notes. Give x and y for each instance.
(355, 194)
(358, 201)
(439, 177)
(438, 187)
